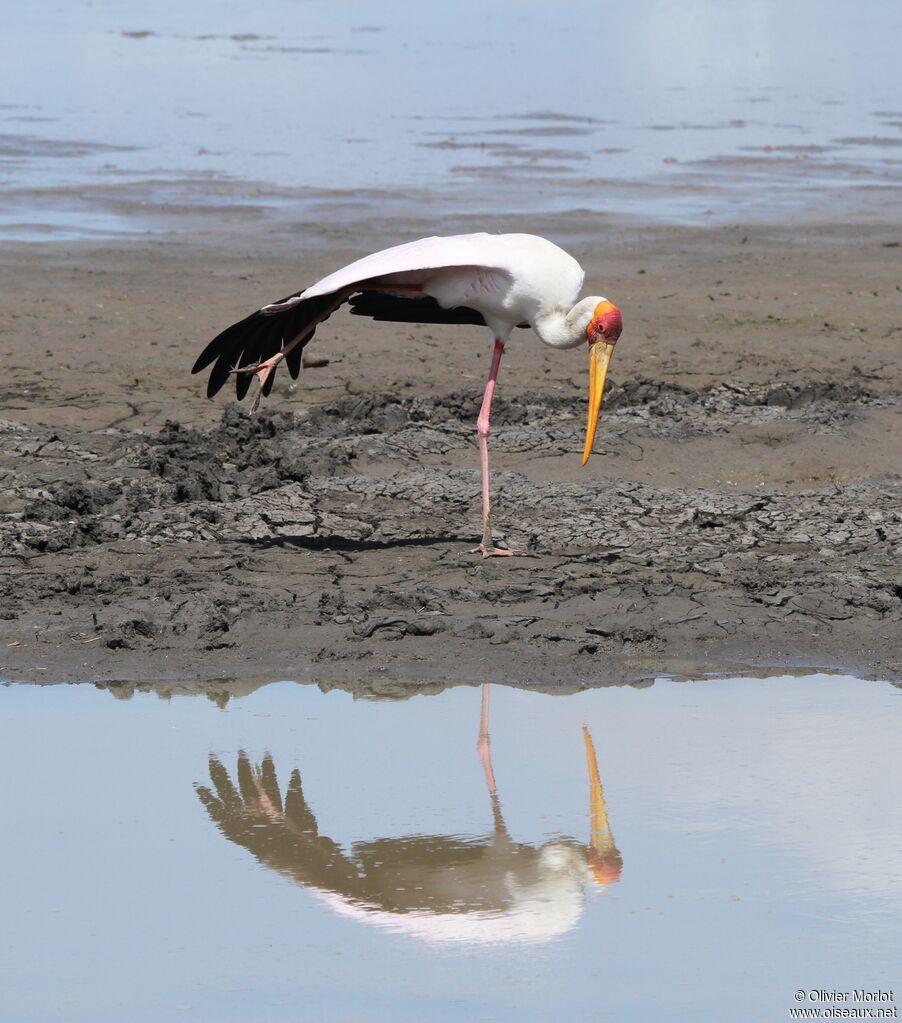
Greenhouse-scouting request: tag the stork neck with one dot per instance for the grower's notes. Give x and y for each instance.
(561, 328)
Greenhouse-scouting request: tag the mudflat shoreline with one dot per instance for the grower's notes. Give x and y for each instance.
(742, 508)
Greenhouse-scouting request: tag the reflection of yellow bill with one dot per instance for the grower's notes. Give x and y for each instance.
(601, 832)
(598, 370)
(604, 859)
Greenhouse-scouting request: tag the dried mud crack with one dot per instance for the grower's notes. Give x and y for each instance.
(335, 535)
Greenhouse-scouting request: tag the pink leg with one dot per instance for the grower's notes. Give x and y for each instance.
(487, 547)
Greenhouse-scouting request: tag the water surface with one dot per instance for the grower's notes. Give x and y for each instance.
(675, 110)
(293, 854)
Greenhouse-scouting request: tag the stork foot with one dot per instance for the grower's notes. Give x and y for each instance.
(490, 551)
(262, 371)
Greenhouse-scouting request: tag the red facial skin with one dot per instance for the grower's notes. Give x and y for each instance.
(608, 868)
(607, 327)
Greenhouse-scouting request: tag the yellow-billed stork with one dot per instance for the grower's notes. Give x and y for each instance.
(500, 281)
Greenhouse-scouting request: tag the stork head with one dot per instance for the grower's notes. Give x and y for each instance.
(606, 323)
(602, 331)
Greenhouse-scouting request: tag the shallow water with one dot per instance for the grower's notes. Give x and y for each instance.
(668, 109)
(294, 854)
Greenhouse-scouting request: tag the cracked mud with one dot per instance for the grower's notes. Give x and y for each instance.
(619, 568)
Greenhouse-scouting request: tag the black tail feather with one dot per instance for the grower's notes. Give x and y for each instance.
(259, 336)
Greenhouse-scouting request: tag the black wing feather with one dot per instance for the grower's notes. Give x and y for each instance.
(251, 355)
(242, 384)
(259, 336)
(215, 347)
(294, 357)
(400, 309)
(220, 372)
(380, 305)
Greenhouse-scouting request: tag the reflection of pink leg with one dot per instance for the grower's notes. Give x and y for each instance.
(487, 547)
(484, 747)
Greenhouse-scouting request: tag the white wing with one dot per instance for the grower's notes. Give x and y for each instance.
(517, 274)
(520, 256)
(423, 254)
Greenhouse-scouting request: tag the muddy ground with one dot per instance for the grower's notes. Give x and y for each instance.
(742, 508)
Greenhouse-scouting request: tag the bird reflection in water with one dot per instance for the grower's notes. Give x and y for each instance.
(435, 887)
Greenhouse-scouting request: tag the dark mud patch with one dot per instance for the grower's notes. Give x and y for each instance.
(298, 541)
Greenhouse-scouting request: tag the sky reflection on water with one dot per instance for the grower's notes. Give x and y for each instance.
(757, 822)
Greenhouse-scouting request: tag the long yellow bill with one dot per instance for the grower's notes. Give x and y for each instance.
(599, 359)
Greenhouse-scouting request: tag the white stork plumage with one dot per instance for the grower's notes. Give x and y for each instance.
(500, 281)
